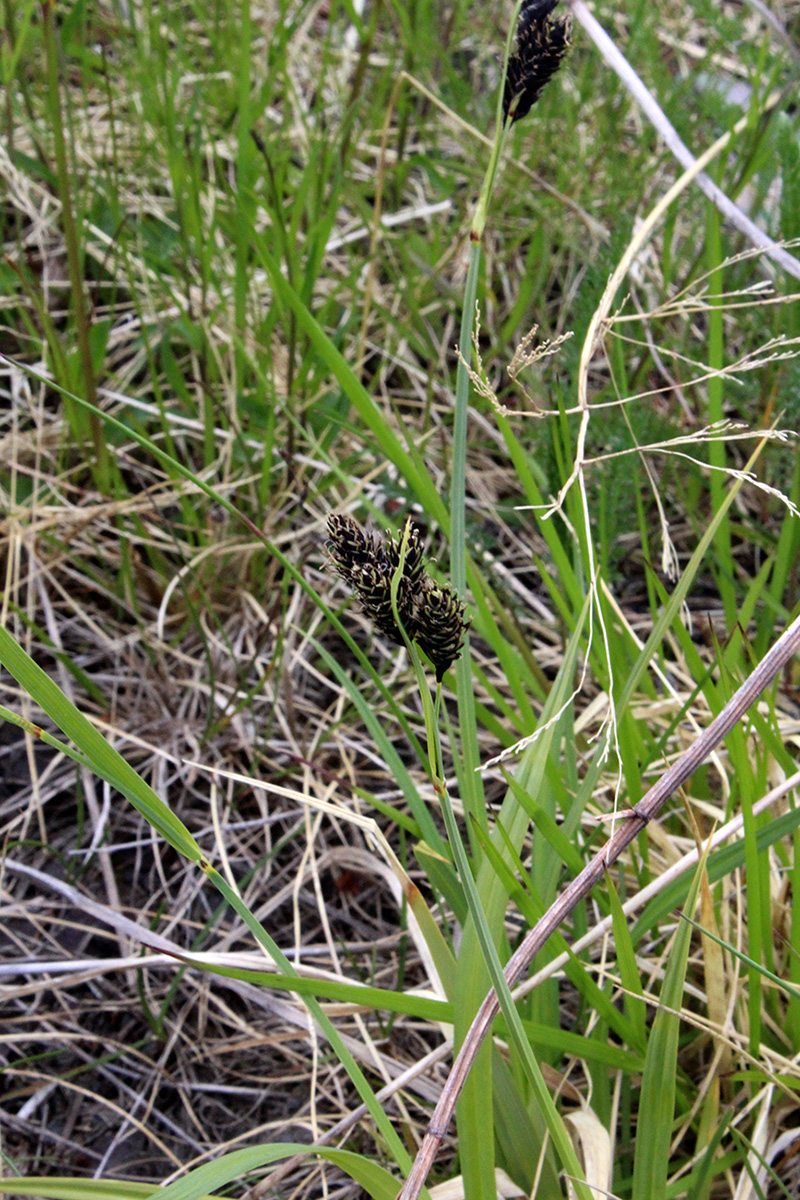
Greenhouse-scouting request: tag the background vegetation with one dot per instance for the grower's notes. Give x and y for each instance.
(241, 232)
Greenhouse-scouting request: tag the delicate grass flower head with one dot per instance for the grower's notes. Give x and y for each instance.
(431, 615)
(542, 43)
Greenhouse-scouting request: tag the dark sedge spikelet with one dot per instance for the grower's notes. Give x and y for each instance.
(413, 569)
(350, 546)
(432, 616)
(441, 626)
(360, 559)
(372, 583)
(542, 43)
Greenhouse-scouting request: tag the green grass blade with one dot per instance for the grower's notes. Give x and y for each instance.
(103, 759)
(424, 1008)
(202, 1181)
(633, 997)
(382, 1122)
(398, 769)
(680, 591)
(721, 862)
(375, 421)
(53, 1187)
(657, 1100)
(532, 909)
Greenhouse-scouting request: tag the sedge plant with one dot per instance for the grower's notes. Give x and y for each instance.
(506, 1116)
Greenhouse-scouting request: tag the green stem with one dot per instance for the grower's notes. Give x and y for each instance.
(458, 551)
(561, 1139)
(472, 784)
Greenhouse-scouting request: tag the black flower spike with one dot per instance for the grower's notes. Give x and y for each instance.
(542, 42)
(441, 626)
(350, 546)
(361, 559)
(432, 616)
(413, 570)
(372, 583)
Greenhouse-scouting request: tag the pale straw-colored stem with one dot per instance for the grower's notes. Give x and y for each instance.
(656, 115)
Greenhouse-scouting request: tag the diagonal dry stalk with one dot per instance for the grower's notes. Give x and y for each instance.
(787, 645)
(656, 115)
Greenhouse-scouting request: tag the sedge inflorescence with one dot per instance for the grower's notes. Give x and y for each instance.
(431, 615)
(542, 42)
